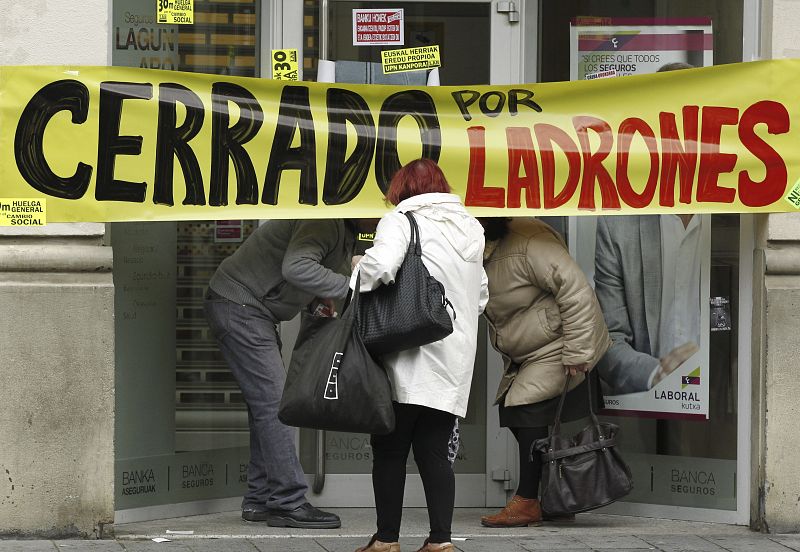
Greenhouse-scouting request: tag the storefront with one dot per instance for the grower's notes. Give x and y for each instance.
(181, 424)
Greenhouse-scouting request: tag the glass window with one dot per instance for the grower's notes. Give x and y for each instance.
(310, 39)
(454, 27)
(673, 459)
(181, 421)
(726, 20)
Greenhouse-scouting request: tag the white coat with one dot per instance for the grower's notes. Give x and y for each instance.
(437, 375)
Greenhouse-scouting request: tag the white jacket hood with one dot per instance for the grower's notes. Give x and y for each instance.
(461, 229)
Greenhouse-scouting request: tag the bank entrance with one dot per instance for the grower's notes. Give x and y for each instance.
(182, 439)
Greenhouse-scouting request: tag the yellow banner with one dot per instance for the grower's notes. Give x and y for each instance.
(114, 144)
(410, 59)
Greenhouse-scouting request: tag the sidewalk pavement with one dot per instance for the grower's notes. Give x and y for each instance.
(226, 532)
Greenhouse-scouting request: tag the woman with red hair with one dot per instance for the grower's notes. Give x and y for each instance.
(430, 384)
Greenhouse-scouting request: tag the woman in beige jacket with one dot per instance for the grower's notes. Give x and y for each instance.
(546, 322)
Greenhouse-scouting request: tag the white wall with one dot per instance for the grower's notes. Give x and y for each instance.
(778, 294)
(56, 323)
(54, 32)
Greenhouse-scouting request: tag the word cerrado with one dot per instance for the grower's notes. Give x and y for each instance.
(344, 177)
(692, 157)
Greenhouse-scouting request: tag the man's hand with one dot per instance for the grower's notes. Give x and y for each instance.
(323, 307)
(355, 261)
(577, 369)
(674, 359)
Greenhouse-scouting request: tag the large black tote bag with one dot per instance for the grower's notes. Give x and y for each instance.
(333, 383)
(410, 312)
(584, 471)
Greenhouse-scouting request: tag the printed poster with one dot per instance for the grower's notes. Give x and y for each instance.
(228, 231)
(636, 46)
(410, 59)
(285, 65)
(175, 12)
(658, 373)
(376, 27)
(652, 280)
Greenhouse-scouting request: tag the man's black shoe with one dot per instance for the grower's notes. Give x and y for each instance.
(303, 517)
(254, 514)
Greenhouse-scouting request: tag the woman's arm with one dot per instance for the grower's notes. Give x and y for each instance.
(484, 298)
(553, 269)
(380, 263)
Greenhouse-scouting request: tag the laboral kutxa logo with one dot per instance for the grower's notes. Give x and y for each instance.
(692, 378)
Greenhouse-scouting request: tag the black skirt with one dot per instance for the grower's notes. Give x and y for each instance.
(542, 414)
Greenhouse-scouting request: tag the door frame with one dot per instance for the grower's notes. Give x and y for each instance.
(284, 29)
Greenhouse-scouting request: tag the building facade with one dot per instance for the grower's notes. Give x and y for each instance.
(117, 406)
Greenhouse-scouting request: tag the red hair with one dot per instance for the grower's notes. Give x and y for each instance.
(421, 176)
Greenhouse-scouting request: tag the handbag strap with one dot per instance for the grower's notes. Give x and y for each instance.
(592, 412)
(603, 443)
(556, 432)
(414, 243)
(352, 300)
(557, 422)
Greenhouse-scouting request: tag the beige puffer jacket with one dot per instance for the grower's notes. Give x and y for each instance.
(542, 312)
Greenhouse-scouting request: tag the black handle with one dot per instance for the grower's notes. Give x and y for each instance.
(415, 240)
(557, 422)
(352, 300)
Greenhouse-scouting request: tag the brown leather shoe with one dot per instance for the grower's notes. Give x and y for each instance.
(519, 512)
(438, 547)
(377, 546)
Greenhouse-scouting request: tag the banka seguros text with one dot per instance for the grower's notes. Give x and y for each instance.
(689, 160)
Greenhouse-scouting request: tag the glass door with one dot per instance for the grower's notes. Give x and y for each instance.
(685, 435)
(181, 422)
(480, 43)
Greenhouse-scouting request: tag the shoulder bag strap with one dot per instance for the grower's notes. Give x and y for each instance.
(417, 245)
(592, 412)
(557, 422)
(415, 240)
(351, 303)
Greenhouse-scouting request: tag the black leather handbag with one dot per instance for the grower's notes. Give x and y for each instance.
(333, 382)
(582, 472)
(410, 312)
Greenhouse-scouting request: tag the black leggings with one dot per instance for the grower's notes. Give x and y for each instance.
(530, 472)
(428, 432)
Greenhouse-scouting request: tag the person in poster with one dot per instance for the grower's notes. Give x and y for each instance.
(647, 280)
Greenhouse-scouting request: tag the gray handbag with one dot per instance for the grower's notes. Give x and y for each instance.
(584, 471)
